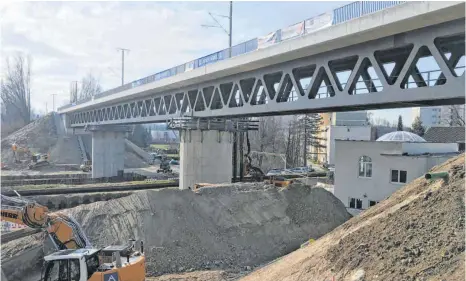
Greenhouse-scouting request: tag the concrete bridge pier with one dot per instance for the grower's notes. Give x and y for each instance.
(108, 149)
(205, 157)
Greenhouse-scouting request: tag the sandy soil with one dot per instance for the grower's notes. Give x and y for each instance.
(415, 234)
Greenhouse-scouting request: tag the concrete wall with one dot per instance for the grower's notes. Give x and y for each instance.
(344, 133)
(137, 150)
(205, 157)
(378, 187)
(419, 148)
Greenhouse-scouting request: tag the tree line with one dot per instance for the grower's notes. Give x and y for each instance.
(285, 141)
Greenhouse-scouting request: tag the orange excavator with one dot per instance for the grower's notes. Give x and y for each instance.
(76, 259)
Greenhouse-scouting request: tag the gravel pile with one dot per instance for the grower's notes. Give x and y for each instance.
(416, 234)
(235, 226)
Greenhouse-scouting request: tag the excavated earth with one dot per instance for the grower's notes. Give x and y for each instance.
(415, 234)
(42, 136)
(234, 226)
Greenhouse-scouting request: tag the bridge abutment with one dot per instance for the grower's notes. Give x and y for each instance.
(206, 148)
(205, 157)
(108, 150)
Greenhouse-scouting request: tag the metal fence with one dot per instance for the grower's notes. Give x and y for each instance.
(337, 16)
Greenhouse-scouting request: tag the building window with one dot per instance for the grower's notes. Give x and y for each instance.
(372, 203)
(365, 167)
(398, 176)
(355, 203)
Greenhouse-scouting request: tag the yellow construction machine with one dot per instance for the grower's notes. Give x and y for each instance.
(278, 181)
(75, 259)
(38, 160)
(86, 166)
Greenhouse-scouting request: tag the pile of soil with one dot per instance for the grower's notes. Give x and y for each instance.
(37, 137)
(415, 234)
(22, 258)
(234, 226)
(45, 135)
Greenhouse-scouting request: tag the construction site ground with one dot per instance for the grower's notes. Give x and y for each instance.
(415, 234)
(231, 227)
(252, 231)
(256, 231)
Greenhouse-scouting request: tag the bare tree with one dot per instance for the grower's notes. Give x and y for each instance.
(269, 138)
(452, 115)
(15, 88)
(457, 115)
(89, 86)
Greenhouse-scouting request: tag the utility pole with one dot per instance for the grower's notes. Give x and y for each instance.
(53, 102)
(231, 29)
(73, 91)
(235, 134)
(123, 50)
(218, 25)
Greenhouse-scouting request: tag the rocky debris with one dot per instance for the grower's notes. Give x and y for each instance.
(234, 226)
(416, 234)
(18, 246)
(22, 258)
(214, 275)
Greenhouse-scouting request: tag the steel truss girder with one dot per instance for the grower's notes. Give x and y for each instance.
(277, 90)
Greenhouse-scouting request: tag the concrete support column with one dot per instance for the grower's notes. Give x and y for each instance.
(205, 157)
(108, 150)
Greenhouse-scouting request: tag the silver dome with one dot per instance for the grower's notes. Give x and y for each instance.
(401, 136)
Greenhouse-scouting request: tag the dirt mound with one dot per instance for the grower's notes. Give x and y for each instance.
(22, 258)
(416, 234)
(224, 227)
(37, 137)
(41, 136)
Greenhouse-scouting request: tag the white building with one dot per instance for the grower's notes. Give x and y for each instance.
(350, 118)
(344, 133)
(335, 125)
(438, 115)
(367, 172)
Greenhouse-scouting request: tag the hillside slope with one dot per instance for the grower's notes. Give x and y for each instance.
(43, 136)
(415, 234)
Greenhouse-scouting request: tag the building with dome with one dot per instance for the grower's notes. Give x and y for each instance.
(367, 172)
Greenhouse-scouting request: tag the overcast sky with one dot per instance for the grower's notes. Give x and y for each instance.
(67, 40)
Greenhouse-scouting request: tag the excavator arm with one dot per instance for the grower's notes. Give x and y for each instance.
(256, 172)
(64, 231)
(13, 216)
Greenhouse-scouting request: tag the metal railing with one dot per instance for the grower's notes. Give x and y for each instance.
(336, 16)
